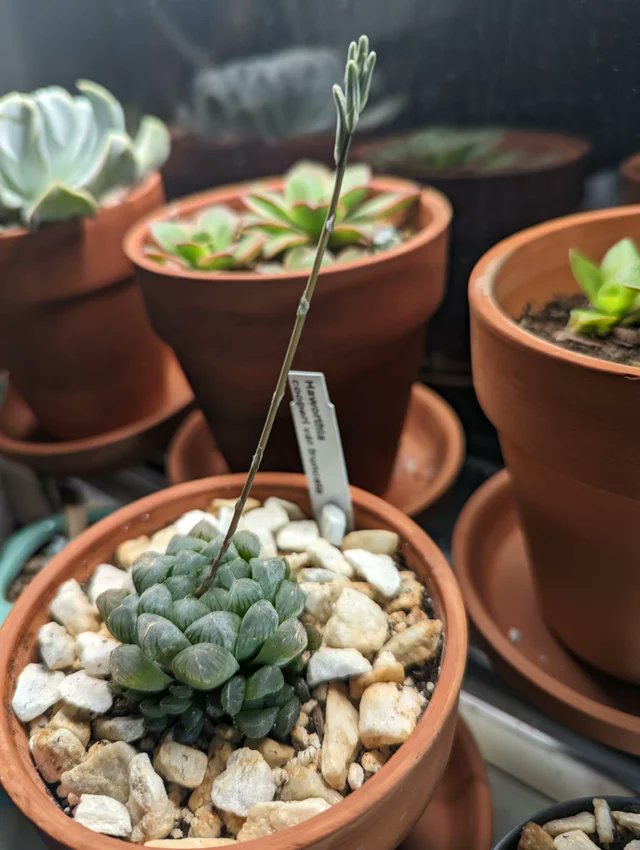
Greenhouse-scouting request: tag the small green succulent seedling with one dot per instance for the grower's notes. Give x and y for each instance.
(291, 220)
(613, 290)
(61, 156)
(212, 242)
(193, 649)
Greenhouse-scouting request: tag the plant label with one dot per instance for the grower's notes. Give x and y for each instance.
(316, 424)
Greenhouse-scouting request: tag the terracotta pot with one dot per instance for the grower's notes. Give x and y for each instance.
(378, 816)
(487, 207)
(567, 427)
(73, 329)
(364, 331)
(197, 163)
(565, 810)
(629, 180)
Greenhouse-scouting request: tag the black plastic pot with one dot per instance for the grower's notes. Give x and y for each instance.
(564, 810)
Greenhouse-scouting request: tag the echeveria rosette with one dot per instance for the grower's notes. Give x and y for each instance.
(234, 650)
(211, 242)
(613, 290)
(291, 220)
(62, 155)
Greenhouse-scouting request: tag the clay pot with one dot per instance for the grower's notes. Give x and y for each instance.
(378, 816)
(565, 810)
(73, 329)
(487, 207)
(364, 331)
(567, 427)
(629, 180)
(197, 163)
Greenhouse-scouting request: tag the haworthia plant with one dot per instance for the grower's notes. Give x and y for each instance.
(62, 155)
(612, 288)
(232, 652)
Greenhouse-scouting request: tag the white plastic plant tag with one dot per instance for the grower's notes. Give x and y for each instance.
(316, 424)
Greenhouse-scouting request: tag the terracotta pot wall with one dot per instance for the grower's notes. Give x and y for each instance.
(364, 331)
(73, 329)
(568, 430)
(382, 813)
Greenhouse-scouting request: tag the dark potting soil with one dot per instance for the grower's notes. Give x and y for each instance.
(549, 322)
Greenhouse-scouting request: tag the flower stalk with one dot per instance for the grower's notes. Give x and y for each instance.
(350, 103)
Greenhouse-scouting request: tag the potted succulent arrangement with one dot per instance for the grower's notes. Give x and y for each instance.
(498, 181)
(556, 361)
(257, 116)
(599, 823)
(220, 272)
(72, 320)
(243, 668)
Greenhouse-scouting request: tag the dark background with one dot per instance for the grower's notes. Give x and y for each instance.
(570, 65)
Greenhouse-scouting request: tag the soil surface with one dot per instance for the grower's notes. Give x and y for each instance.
(549, 322)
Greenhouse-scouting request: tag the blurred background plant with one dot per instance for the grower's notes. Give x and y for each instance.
(478, 150)
(275, 96)
(62, 156)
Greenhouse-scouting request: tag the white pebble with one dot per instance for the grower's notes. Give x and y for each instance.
(71, 607)
(128, 728)
(333, 524)
(296, 536)
(271, 517)
(293, 511)
(323, 554)
(355, 776)
(57, 647)
(94, 652)
(37, 689)
(326, 664)
(190, 519)
(103, 814)
(86, 692)
(378, 570)
(108, 577)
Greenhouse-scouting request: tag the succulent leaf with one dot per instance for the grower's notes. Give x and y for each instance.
(159, 638)
(62, 156)
(288, 641)
(232, 695)
(286, 718)
(186, 611)
(132, 669)
(204, 666)
(268, 573)
(122, 620)
(260, 621)
(110, 599)
(265, 682)
(242, 594)
(256, 723)
(156, 600)
(289, 600)
(219, 627)
(247, 545)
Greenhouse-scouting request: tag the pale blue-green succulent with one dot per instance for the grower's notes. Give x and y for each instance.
(62, 155)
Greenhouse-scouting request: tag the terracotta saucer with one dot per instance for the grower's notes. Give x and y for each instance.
(23, 441)
(492, 568)
(429, 457)
(460, 815)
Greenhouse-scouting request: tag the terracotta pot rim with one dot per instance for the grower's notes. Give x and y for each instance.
(142, 187)
(54, 822)
(485, 306)
(571, 149)
(433, 200)
(481, 618)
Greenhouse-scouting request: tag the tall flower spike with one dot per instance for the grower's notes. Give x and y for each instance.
(352, 98)
(358, 71)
